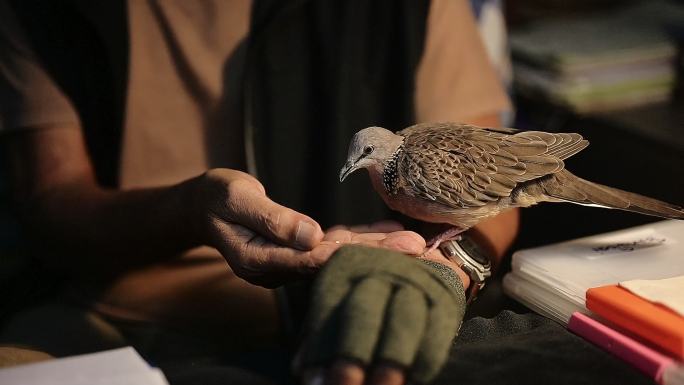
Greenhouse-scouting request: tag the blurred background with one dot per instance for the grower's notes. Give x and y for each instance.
(610, 70)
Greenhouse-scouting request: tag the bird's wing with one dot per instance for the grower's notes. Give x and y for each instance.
(420, 127)
(467, 166)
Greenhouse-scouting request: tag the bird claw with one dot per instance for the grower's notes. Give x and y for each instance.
(453, 234)
(430, 249)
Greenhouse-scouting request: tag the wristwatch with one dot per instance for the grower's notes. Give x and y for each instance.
(472, 259)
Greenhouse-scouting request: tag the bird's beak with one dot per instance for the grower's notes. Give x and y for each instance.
(348, 168)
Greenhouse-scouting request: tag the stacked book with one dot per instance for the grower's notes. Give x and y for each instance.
(623, 291)
(599, 62)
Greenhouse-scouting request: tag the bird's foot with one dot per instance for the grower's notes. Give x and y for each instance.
(452, 234)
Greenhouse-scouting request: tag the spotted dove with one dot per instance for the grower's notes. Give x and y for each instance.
(460, 174)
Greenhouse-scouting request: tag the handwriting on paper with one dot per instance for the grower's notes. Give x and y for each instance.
(641, 243)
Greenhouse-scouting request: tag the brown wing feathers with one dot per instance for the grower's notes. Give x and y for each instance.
(569, 187)
(464, 166)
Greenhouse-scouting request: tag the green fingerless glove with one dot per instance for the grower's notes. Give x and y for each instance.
(377, 305)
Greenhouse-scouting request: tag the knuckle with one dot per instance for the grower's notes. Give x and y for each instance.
(310, 264)
(257, 264)
(233, 206)
(241, 272)
(247, 181)
(270, 220)
(255, 270)
(215, 173)
(236, 187)
(257, 185)
(249, 268)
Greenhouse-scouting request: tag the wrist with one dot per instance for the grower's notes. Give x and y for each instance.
(465, 279)
(472, 259)
(193, 215)
(439, 257)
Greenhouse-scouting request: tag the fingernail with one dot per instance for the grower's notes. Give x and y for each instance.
(304, 238)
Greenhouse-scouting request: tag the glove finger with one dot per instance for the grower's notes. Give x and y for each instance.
(323, 321)
(405, 325)
(362, 318)
(328, 292)
(436, 344)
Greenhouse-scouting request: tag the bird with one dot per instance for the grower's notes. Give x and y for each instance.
(459, 174)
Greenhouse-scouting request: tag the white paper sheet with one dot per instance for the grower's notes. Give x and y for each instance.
(566, 270)
(668, 292)
(113, 367)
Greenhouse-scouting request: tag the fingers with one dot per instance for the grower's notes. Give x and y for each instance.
(386, 320)
(260, 261)
(249, 207)
(344, 372)
(434, 347)
(354, 336)
(361, 319)
(384, 226)
(405, 324)
(387, 374)
(403, 241)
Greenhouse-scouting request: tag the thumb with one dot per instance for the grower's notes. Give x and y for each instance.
(278, 223)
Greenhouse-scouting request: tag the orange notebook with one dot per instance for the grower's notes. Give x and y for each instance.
(654, 323)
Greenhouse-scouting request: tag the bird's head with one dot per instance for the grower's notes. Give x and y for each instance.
(370, 148)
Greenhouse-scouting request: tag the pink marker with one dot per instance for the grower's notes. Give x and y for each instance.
(654, 364)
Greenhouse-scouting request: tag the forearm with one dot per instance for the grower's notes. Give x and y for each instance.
(497, 234)
(72, 221)
(90, 226)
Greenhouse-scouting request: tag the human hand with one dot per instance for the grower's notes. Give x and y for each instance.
(384, 234)
(266, 243)
(390, 235)
(380, 318)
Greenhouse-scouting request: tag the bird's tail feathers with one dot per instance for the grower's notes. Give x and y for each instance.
(567, 187)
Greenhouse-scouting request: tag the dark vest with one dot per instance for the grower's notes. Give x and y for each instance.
(317, 71)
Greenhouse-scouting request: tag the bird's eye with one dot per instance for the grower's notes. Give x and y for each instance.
(368, 149)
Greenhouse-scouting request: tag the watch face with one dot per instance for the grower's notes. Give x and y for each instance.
(473, 250)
